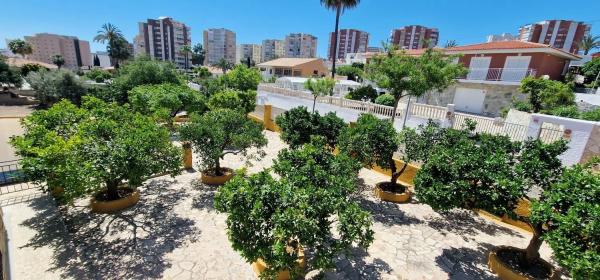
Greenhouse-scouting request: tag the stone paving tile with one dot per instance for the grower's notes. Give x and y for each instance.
(174, 232)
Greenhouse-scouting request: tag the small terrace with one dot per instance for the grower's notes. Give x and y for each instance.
(499, 74)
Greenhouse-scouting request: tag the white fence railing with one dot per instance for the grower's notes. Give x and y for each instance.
(418, 109)
(516, 132)
(500, 74)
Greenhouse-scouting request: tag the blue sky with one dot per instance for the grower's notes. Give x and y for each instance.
(465, 21)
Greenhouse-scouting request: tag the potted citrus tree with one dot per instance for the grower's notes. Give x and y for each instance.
(218, 133)
(271, 221)
(45, 146)
(165, 101)
(493, 174)
(106, 150)
(374, 141)
(298, 125)
(569, 211)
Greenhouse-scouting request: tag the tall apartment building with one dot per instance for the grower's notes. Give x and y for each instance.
(75, 52)
(272, 49)
(252, 51)
(412, 37)
(219, 43)
(349, 41)
(560, 34)
(162, 39)
(501, 37)
(300, 45)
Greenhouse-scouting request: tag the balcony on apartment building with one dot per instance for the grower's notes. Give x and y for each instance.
(510, 75)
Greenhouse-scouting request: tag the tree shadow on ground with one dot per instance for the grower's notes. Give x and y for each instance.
(466, 263)
(130, 244)
(465, 223)
(354, 266)
(387, 213)
(205, 198)
(51, 232)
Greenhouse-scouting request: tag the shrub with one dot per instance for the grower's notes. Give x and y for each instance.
(566, 111)
(523, 106)
(98, 75)
(385, 99)
(571, 210)
(363, 93)
(590, 69)
(298, 125)
(353, 73)
(9, 75)
(220, 132)
(242, 78)
(211, 86)
(203, 73)
(165, 101)
(244, 101)
(93, 148)
(30, 67)
(143, 71)
(546, 95)
(52, 86)
(272, 219)
(593, 115)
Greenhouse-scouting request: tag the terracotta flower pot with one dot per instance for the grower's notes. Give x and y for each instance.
(259, 266)
(392, 196)
(206, 177)
(505, 272)
(102, 206)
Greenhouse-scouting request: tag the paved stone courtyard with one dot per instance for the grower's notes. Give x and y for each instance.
(175, 233)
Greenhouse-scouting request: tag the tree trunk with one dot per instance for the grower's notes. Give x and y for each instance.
(314, 103)
(396, 175)
(395, 108)
(112, 189)
(218, 168)
(532, 253)
(335, 42)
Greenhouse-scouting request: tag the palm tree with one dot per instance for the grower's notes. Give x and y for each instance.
(224, 65)
(589, 43)
(198, 54)
(112, 34)
(58, 60)
(109, 32)
(451, 44)
(185, 50)
(21, 47)
(339, 6)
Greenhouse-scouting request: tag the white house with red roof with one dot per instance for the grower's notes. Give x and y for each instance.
(495, 72)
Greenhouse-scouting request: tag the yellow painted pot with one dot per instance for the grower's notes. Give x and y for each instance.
(181, 118)
(217, 180)
(187, 155)
(259, 266)
(115, 205)
(57, 192)
(504, 272)
(390, 196)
